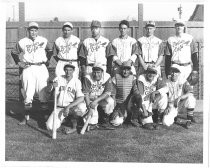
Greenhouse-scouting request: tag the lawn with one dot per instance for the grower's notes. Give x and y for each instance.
(174, 144)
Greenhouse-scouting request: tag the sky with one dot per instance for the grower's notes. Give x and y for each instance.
(109, 10)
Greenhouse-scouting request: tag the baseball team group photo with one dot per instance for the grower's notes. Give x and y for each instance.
(105, 91)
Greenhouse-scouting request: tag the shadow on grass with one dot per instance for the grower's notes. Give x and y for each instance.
(14, 109)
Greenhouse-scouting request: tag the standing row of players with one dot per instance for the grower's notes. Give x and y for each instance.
(120, 80)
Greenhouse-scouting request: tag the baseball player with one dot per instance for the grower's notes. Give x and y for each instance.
(70, 99)
(122, 83)
(180, 97)
(152, 50)
(65, 50)
(126, 48)
(144, 91)
(97, 89)
(31, 54)
(181, 50)
(96, 49)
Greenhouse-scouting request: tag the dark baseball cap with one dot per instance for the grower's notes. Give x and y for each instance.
(95, 23)
(150, 24)
(69, 65)
(126, 65)
(151, 70)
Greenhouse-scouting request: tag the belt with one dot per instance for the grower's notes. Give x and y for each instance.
(150, 62)
(181, 64)
(92, 64)
(37, 63)
(67, 60)
(60, 106)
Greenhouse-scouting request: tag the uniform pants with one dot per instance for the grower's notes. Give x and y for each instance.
(188, 103)
(34, 80)
(79, 110)
(107, 105)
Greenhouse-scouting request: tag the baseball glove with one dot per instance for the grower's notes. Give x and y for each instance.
(193, 78)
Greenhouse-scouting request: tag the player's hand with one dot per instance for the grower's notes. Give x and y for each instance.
(118, 62)
(55, 84)
(167, 110)
(93, 104)
(66, 111)
(22, 65)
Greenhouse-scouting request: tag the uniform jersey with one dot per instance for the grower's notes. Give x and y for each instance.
(125, 48)
(181, 48)
(33, 51)
(123, 87)
(95, 51)
(176, 89)
(152, 48)
(66, 48)
(96, 88)
(68, 91)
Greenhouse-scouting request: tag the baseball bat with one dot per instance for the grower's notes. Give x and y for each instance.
(87, 122)
(54, 130)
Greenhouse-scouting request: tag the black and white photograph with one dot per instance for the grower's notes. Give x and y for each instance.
(104, 83)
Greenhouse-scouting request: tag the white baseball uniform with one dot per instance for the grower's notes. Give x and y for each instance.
(66, 51)
(35, 76)
(180, 49)
(126, 48)
(175, 90)
(68, 92)
(95, 89)
(152, 48)
(95, 52)
(148, 88)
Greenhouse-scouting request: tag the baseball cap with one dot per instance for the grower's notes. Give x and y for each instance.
(175, 68)
(95, 23)
(68, 24)
(33, 25)
(179, 22)
(151, 70)
(97, 66)
(150, 24)
(69, 65)
(126, 64)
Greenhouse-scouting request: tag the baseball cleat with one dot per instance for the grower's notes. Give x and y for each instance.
(188, 124)
(23, 122)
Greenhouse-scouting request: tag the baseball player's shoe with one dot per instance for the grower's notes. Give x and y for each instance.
(69, 130)
(188, 124)
(23, 122)
(149, 126)
(135, 123)
(92, 127)
(192, 119)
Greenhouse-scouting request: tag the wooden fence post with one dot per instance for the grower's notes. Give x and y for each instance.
(21, 34)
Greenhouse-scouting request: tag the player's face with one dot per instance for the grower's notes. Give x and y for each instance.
(150, 31)
(67, 31)
(174, 76)
(33, 33)
(69, 71)
(179, 29)
(126, 72)
(97, 75)
(123, 30)
(150, 76)
(95, 31)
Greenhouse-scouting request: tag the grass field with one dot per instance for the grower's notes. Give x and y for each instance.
(175, 144)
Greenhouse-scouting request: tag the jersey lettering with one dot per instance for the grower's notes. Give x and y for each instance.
(33, 47)
(66, 48)
(96, 46)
